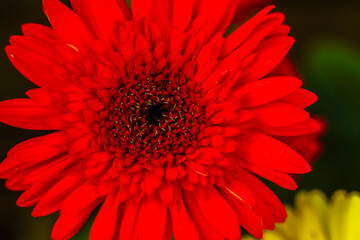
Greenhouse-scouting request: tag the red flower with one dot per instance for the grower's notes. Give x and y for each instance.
(157, 116)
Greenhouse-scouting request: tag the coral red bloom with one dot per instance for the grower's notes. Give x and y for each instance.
(157, 117)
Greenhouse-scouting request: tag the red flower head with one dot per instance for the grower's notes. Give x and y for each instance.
(156, 115)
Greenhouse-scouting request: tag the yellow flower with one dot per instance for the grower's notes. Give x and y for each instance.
(316, 218)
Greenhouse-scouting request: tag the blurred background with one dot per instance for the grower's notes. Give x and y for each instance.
(327, 55)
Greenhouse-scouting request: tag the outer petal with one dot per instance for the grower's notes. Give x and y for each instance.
(301, 98)
(281, 179)
(150, 9)
(38, 31)
(270, 207)
(151, 220)
(305, 127)
(217, 13)
(183, 226)
(245, 7)
(218, 213)
(254, 147)
(25, 113)
(102, 16)
(54, 198)
(75, 211)
(129, 219)
(106, 220)
(278, 114)
(38, 69)
(266, 90)
(68, 26)
(69, 224)
(243, 32)
(33, 152)
(202, 224)
(248, 217)
(182, 13)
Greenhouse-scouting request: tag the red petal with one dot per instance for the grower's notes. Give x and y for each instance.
(270, 153)
(54, 198)
(69, 27)
(204, 229)
(166, 191)
(206, 60)
(270, 207)
(38, 31)
(150, 182)
(80, 198)
(218, 14)
(305, 127)
(150, 9)
(248, 217)
(39, 149)
(168, 231)
(278, 114)
(106, 220)
(129, 219)
(183, 226)
(37, 69)
(102, 16)
(151, 220)
(33, 194)
(239, 35)
(196, 167)
(266, 90)
(238, 190)
(44, 48)
(182, 13)
(15, 184)
(301, 98)
(254, 40)
(269, 54)
(281, 179)
(83, 143)
(68, 224)
(246, 7)
(219, 214)
(25, 113)
(47, 171)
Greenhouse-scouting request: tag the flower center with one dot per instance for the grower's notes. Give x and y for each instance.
(152, 116)
(155, 113)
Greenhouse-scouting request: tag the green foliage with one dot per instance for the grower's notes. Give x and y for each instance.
(332, 71)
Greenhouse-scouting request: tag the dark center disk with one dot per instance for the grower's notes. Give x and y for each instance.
(154, 113)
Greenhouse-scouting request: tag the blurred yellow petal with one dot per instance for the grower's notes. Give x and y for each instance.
(315, 218)
(351, 218)
(272, 235)
(311, 207)
(336, 211)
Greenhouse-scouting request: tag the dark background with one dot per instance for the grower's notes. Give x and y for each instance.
(327, 54)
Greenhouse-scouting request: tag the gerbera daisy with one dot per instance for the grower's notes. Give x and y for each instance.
(157, 117)
(315, 218)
